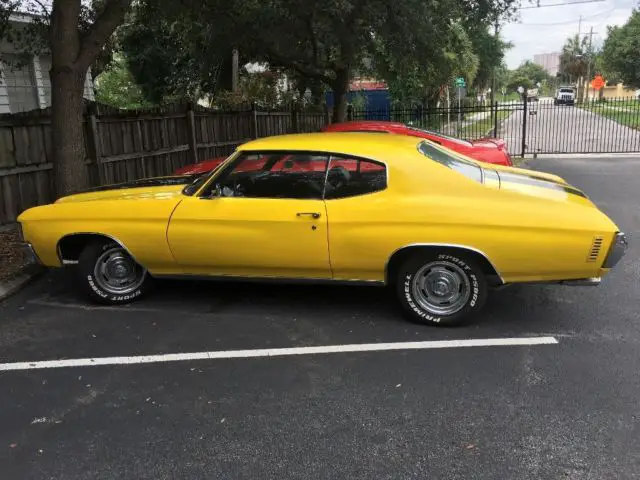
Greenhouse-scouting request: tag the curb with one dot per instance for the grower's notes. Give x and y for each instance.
(20, 280)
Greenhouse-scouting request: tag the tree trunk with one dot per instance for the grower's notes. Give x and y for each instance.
(340, 90)
(67, 85)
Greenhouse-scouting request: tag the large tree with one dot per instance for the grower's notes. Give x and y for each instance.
(75, 35)
(621, 51)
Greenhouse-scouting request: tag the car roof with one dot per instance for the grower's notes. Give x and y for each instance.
(369, 145)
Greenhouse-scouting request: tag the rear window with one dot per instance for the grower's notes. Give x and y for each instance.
(454, 162)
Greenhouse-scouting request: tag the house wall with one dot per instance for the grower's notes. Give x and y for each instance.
(31, 84)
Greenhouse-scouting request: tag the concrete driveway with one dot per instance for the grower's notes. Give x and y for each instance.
(565, 410)
(566, 129)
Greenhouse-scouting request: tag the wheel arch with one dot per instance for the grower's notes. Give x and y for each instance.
(399, 256)
(70, 246)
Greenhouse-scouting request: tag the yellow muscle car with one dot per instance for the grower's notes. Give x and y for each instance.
(354, 207)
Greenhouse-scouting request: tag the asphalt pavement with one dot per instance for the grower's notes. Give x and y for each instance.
(566, 129)
(560, 411)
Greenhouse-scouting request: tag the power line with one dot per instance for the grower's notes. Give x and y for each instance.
(560, 4)
(567, 22)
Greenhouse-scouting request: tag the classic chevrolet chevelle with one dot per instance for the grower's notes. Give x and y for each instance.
(388, 209)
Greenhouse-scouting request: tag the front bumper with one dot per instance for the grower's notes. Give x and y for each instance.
(29, 254)
(616, 251)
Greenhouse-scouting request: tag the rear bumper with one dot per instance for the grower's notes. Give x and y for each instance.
(616, 251)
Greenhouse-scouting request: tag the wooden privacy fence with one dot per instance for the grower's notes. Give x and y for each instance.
(121, 146)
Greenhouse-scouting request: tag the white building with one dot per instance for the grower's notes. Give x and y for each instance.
(549, 61)
(28, 88)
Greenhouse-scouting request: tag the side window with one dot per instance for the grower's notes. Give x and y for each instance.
(274, 175)
(349, 177)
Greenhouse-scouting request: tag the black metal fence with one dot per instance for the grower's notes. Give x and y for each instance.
(471, 120)
(595, 126)
(530, 126)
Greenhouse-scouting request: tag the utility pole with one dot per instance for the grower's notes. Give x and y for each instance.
(579, 26)
(234, 70)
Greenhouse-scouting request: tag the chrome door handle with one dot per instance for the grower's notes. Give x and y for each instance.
(315, 215)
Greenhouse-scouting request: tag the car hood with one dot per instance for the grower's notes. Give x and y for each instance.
(160, 188)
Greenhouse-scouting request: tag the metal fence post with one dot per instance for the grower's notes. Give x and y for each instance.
(524, 125)
(495, 120)
(349, 112)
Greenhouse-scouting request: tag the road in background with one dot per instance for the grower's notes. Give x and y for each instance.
(567, 129)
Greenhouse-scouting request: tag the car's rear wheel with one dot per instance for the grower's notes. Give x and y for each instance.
(109, 275)
(441, 289)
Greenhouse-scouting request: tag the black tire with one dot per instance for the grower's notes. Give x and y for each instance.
(415, 300)
(97, 288)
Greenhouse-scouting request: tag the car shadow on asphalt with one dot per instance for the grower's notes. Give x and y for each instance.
(512, 309)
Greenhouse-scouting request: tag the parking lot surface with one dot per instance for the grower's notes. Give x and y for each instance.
(554, 411)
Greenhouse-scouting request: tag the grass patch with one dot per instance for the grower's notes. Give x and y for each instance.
(626, 112)
(481, 128)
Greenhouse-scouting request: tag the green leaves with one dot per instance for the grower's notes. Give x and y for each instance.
(621, 51)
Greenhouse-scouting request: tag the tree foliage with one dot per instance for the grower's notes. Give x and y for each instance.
(116, 86)
(322, 42)
(574, 58)
(621, 51)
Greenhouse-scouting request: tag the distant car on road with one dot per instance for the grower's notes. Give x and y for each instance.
(488, 150)
(438, 228)
(565, 96)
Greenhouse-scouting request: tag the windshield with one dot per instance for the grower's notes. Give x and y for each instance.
(201, 180)
(439, 135)
(466, 167)
(566, 90)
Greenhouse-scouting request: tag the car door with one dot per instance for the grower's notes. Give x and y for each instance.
(256, 218)
(361, 217)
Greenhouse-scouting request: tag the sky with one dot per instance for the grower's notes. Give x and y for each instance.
(544, 30)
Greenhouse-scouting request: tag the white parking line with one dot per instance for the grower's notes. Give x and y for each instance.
(278, 352)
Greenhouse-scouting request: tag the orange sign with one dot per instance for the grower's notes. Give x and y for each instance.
(597, 83)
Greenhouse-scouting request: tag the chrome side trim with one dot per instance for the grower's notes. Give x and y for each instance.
(287, 280)
(110, 237)
(582, 282)
(445, 245)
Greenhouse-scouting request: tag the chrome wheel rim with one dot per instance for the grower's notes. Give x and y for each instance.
(441, 288)
(117, 273)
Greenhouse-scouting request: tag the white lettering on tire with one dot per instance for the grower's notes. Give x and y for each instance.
(113, 298)
(453, 259)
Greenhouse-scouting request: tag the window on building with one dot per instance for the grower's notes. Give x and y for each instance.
(45, 66)
(21, 86)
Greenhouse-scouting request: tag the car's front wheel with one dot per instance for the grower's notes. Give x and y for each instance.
(441, 289)
(109, 275)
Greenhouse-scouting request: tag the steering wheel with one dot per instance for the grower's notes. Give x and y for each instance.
(338, 177)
